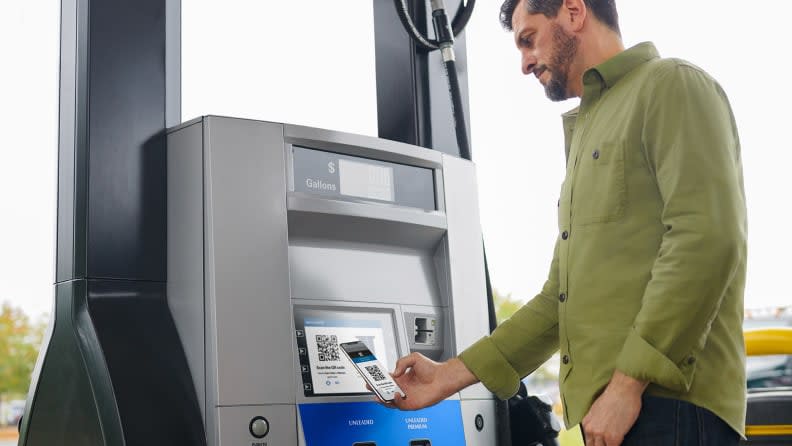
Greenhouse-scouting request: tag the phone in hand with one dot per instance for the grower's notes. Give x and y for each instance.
(371, 370)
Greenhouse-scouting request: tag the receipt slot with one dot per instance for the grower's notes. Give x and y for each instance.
(286, 241)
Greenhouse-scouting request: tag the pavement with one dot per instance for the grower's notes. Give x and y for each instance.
(8, 436)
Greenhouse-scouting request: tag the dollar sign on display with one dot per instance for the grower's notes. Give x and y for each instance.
(331, 167)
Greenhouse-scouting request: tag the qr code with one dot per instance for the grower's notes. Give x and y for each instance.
(375, 372)
(328, 347)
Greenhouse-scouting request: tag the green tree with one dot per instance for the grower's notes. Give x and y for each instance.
(19, 344)
(505, 305)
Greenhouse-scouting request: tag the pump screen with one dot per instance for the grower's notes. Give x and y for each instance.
(362, 180)
(366, 180)
(331, 373)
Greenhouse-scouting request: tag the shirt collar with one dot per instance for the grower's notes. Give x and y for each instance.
(606, 75)
(615, 68)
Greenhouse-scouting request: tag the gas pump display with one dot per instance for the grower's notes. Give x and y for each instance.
(320, 333)
(366, 180)
(330, 372)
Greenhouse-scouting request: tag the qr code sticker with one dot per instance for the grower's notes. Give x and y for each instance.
(375, 372)
(328, 347)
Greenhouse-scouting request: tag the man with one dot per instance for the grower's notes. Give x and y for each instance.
(645, 293)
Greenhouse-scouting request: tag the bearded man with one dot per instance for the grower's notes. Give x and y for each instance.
(644, 298)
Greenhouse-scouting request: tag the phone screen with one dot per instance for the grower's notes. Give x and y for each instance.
(371, 370)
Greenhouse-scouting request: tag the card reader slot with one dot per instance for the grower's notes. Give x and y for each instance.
(425, 330)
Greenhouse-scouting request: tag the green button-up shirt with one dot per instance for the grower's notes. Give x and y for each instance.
(649, 268)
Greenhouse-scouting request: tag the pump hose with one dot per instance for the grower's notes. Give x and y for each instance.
(460, 123)
(458, 24)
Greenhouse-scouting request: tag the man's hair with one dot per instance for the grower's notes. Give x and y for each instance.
(603, 10)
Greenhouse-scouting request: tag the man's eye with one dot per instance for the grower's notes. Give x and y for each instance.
(526, 42)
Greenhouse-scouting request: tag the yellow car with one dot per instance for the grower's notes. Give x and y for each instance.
(769, 417)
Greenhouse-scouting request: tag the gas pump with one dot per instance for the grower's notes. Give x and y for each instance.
(195, 259)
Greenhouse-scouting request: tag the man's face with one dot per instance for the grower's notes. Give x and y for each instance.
(547, 50)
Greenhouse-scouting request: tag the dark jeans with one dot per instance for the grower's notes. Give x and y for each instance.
(667, 422)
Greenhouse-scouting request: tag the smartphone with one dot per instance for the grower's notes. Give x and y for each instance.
(371, 370)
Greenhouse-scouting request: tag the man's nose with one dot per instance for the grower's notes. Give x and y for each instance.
(528, 64)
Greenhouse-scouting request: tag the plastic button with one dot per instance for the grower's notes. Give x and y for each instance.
(259, 427)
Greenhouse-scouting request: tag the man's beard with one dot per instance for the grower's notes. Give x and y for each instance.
(564, 51)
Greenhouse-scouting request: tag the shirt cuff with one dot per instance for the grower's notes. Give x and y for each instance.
(640, 360)
(489, 365)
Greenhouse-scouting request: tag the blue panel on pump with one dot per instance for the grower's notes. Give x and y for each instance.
(346, 424)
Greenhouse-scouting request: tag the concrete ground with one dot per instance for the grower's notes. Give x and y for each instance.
(8, 436)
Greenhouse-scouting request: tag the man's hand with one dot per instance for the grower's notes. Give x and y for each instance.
(613, 414)
(427, 382)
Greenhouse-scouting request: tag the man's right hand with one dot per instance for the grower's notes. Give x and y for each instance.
(427, 382)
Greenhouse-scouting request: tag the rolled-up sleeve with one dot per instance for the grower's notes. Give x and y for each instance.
(691, 144)
(520, 344)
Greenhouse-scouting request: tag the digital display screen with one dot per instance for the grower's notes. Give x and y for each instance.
(330, 371)
(366, 180)
(358, 179)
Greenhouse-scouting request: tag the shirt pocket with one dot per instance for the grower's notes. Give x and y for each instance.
(600, 194)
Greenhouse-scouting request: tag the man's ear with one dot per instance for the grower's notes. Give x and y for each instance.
(574, 14)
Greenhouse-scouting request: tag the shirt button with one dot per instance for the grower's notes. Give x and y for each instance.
(565, 235)
(596, 154)
(562, 297)
(565, 359)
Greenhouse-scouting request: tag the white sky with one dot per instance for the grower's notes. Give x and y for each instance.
(246, 58)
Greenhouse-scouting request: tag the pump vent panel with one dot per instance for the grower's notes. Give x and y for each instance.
(342, 270)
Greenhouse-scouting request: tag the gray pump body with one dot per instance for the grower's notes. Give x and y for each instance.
(259, 249)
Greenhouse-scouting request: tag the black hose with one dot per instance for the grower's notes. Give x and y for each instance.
(407, 22)
(458, 111)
